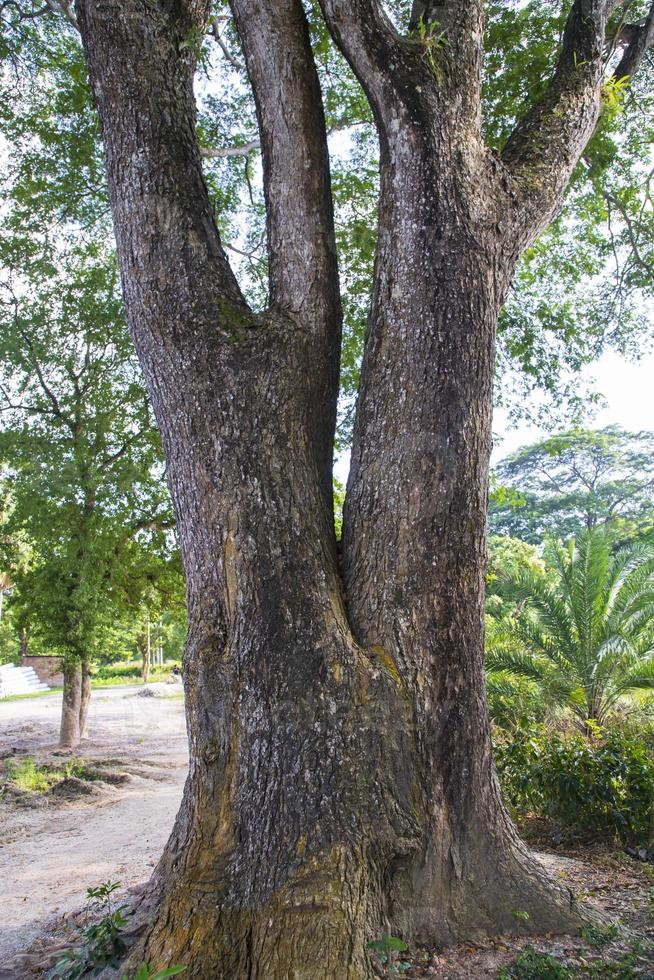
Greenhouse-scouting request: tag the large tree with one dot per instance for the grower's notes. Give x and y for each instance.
(573, 480)
(341, 780)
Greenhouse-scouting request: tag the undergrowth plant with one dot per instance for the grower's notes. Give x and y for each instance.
(27, 776)
(386, 950)
(102, 944)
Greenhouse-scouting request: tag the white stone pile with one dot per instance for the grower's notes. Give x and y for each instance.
(19, 680)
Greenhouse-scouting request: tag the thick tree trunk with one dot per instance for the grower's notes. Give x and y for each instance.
(341, 782)
(69, 733)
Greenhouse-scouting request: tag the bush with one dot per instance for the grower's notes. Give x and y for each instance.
(598, 788)
(112, 671)
(514, 702)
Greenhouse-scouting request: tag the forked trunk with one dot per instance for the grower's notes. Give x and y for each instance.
(341, 782)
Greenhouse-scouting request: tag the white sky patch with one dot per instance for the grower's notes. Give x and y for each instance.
(627, 387)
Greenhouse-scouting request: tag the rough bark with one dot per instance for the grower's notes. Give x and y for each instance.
(75, 701)
(341, 781)
(69, 733)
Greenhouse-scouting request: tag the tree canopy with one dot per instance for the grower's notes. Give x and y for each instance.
(581, 289)
(583, 478)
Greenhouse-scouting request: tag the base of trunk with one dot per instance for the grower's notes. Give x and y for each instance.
(314, 928)
(318, 926)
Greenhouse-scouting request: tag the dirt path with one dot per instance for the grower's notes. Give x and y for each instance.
(49, 856)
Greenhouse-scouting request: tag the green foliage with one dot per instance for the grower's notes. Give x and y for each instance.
(600, 788)
(574, 480)
(531, 965)
(85, 506)
(509, 557)
(431, 40)
(614, 92)
(26, 776)
(587, 637)
(145, 972)
(581, 287)
(129, 672)
(386, 949)
(102, 944)
(339, 501)
(599, 936)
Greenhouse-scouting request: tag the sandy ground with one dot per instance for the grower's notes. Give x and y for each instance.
(49, 856)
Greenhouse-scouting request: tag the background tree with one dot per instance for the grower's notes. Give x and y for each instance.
(586, 639)
(83, 469)
(379, 805)
(573, 480)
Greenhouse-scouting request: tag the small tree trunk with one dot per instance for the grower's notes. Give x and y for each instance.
(145, 663)
(85, 696)
(69, 735)
(24, 639)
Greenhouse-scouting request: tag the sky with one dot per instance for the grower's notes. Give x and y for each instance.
(628, 389)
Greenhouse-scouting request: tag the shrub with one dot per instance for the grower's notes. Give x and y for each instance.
(601, 788)
(514, 702)
(112, 671)
(531, 965)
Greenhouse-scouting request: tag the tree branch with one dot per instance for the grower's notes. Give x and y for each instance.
(641, 40)
(303, 273)
(23, 14)
(280, 64)
(547, 143)
(221, 152)
(141, 63)
(215, 34)
(65, 8)
(370, 43)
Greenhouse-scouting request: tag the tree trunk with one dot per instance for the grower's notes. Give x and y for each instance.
(145, 662)
(75, 703)
(341, 782)
(85, 696)
(69, 734)
(24, 640)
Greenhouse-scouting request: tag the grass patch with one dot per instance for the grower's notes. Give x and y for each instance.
(25, 776)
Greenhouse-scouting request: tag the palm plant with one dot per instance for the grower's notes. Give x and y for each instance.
(585, 637)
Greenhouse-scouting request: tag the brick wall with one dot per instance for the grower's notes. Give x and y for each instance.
(48, 669)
